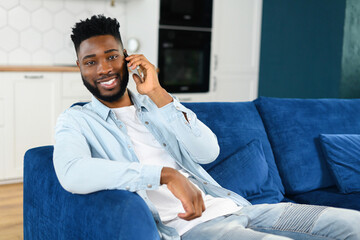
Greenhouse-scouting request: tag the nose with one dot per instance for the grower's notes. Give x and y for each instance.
(104, 67)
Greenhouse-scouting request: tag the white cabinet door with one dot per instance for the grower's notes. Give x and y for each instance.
(31, 102)
(3, 127)
(236, 49)
(73, 90)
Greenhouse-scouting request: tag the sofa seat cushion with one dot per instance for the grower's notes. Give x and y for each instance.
(342, 153)
(294, 126)
(244, 171)
(236, 124)
(329, 197)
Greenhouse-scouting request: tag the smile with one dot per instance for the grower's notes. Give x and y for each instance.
(108, 83)
(111, 81)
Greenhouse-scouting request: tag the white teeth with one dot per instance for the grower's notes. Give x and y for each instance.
(108, 82)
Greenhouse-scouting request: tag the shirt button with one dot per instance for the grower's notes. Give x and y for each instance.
(127, 188)
(147, 123)
(149, 186)
(177, 107)
(120, 126)
(205, 183)
(164, 144)
(229, 193)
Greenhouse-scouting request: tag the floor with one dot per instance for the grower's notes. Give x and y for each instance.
(11, 211)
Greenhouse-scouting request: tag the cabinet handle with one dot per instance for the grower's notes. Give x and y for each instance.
(215, 84)
(34, 76)
(215, 62)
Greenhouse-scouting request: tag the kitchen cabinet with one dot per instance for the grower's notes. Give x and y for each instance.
(30, 103)
(235, 49)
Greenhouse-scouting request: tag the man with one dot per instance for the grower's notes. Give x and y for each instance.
(151, 144)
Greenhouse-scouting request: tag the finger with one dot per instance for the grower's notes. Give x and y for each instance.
(133, 58)
(189, 212)
(137, 79)
(140, 62)
(199, 206)
(187, 216)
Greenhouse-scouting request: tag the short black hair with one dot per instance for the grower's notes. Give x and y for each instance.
(97, 25)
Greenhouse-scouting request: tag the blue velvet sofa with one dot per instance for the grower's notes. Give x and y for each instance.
(272, 150)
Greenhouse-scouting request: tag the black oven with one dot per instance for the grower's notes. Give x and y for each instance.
(184, 45)
(184, 60)
(193, 13)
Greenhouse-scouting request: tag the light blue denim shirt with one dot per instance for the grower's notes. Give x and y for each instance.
(93, 151)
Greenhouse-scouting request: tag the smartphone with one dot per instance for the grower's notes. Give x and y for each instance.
(134, 71)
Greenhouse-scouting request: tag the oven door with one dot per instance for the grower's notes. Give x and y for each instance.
(184, 60)
(194, 13)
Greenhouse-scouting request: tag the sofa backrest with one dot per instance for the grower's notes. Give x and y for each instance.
(236, 125)
(293, 127)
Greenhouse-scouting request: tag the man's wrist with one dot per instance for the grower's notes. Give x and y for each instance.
(160, 97)
(167, 174)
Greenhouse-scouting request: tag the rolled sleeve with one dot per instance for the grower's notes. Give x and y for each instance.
(174, 111)
(193, 135)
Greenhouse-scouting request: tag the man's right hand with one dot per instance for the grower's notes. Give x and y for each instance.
(185, 191)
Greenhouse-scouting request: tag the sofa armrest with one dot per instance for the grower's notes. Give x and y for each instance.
(50, 212)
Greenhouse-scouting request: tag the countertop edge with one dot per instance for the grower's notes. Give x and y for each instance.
(39, 69)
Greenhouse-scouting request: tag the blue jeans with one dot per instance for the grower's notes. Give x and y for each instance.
(281, 221)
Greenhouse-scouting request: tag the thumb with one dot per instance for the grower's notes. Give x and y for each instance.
(189, 210)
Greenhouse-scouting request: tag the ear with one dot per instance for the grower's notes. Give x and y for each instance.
(78, 64)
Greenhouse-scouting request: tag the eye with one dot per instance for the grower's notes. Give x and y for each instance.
(113, 57)
(89, 63)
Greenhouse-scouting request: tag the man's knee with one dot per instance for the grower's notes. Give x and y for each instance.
(350, 222)
(340, 223)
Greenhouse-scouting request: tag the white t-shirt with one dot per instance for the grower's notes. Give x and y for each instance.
(150, 152)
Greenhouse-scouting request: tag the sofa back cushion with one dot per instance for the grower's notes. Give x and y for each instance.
(236, 125)
(293, 127)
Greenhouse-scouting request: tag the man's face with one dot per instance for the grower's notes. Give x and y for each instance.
(103, 67)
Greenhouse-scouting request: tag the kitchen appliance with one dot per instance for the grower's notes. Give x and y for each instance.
(184, 45)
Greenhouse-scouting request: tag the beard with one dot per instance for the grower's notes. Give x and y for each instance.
(123, 80)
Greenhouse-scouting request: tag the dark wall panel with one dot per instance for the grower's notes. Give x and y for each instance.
(350, 79)
(301, 48)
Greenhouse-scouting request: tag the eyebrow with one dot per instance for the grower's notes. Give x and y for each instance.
(94, 55)
(111, 50)
(89, 56)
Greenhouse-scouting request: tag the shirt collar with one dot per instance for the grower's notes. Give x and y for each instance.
(104, 111)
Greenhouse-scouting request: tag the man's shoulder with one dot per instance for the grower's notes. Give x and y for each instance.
(78, 118)
(78, 112)
(78, 109)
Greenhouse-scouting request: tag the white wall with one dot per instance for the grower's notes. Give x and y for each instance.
(37, 32)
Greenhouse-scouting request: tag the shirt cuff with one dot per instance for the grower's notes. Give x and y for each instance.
(151, 177)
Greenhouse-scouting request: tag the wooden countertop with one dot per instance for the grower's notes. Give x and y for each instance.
(39, 69)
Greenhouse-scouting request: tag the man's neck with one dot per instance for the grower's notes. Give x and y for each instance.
(124, 101)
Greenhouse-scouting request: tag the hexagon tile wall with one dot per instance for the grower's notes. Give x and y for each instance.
(37, 32)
